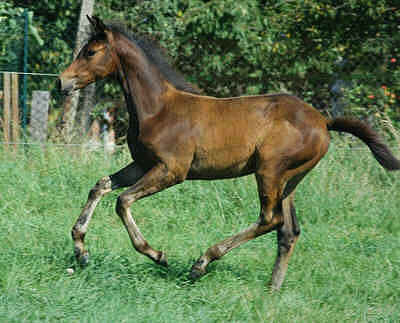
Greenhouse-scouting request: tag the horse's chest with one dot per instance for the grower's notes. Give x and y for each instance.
(140, 152)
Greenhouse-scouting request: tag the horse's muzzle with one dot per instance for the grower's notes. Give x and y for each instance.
(66, 86)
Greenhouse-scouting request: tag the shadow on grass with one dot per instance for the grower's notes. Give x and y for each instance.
(137, 269)
(140, 269)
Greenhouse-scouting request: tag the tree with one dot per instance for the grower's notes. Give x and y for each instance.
(232, 48)
(71, 102)
(235, 47)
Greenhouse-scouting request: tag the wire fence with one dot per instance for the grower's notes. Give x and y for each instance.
(54, 118)
(34, 74)
(101, 120)
(100, 145)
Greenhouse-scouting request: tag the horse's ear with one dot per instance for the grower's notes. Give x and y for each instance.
(97, 24)
(90, 20)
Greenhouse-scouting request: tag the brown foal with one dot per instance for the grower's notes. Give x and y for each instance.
(176, 134)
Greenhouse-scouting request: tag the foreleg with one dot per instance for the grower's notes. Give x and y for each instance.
(125, 177)
(157, 179)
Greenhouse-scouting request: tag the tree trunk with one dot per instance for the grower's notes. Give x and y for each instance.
(71, 102)
(87, 106)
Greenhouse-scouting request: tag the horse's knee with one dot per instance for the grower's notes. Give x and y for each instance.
(102, 187)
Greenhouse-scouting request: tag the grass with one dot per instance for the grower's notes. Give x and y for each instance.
(345, 268)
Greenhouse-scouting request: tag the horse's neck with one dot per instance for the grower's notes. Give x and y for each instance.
(142, 83)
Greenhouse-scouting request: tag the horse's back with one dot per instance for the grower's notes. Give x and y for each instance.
(232, 135)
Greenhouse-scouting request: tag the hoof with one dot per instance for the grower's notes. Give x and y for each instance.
(196, 272)
(163, 260)
(274, 287)
(82, 258)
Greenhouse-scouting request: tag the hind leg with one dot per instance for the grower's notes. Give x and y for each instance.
(288, 235)
(268, 221)
(289, 232)
(277, 198)
(220, 249)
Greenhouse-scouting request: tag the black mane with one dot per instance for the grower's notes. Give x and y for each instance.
(155, 54)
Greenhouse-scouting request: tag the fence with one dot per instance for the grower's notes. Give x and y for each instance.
(44, 117)
(31, 109)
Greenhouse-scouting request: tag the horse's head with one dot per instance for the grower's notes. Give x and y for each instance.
(96, 60)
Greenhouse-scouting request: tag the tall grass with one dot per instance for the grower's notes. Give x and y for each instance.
(346, 266)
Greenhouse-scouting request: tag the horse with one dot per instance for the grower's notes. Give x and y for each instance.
(177, 134)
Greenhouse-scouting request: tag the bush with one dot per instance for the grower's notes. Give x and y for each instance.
(340, 56)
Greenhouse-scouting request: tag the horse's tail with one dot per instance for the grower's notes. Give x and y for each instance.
(363, 131)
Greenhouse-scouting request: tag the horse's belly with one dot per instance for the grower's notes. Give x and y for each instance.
(224, 163)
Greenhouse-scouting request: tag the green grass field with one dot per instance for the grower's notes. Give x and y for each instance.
(346, 266)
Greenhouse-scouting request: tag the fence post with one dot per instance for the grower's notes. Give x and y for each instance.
(25, 77)
(39, 115)
(6, 109)
(71, 102)
(15, 110)
(109, 133)
(94, 134)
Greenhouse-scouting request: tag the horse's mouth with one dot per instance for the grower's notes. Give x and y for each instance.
(66, 87)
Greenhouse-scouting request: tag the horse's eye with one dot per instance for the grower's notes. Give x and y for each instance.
(90, 53)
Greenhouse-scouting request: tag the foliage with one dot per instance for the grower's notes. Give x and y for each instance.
(56, 23)
(341, 56)
(302, 47)
(11, 33)
(50, 41)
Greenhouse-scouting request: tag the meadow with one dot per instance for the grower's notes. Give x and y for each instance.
(346, 266)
